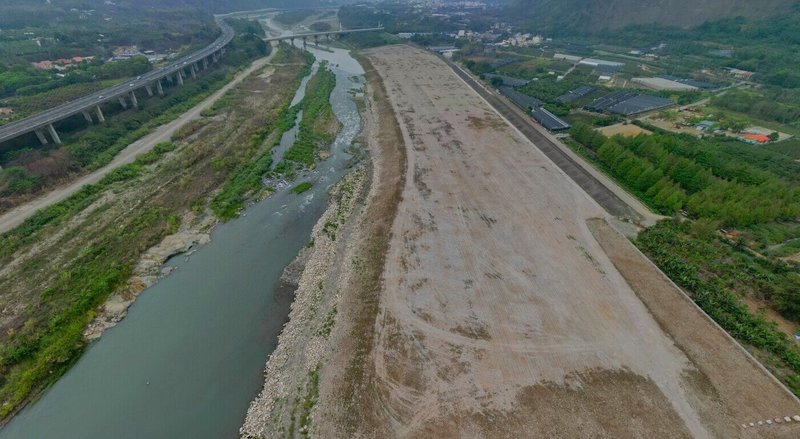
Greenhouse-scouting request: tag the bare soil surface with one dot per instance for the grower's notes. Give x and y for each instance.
(613, 198)
(627, 130)
(502, 316)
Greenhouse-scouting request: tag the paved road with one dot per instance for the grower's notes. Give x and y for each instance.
(15, 129)
(15, 217)
(604, 196)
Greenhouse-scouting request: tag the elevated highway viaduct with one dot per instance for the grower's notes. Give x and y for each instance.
(42, 123)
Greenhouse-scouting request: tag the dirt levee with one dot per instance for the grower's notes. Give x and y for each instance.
(501, 315)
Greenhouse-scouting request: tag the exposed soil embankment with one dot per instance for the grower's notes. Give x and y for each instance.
(150, 268)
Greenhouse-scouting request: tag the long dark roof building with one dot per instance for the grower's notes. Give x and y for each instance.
(628, 103)
(549, 120)
(518, 98)
(577, 94)
(508, 80)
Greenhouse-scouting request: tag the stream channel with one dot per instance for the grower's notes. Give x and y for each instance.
(189, 357)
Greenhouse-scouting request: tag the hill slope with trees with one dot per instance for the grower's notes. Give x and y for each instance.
(596, 15)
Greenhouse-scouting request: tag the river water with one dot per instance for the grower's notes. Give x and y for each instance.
(189, 357)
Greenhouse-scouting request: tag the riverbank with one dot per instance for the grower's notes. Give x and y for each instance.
(291, 386)
(314, 378)
(62, 263)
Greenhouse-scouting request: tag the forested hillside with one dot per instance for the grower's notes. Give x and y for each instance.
(27, 13)
(218, 6)
(595, 15)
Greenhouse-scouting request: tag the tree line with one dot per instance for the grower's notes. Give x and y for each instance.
(674, 175)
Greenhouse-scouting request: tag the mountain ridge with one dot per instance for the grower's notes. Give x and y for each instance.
(595, 15)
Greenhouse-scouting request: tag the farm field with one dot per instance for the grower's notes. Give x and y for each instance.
(627, 130)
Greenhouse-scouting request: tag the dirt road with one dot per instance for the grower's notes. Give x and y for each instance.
(16, 216)
(501, 314)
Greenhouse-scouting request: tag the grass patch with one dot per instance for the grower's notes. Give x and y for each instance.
(318, 127)
(301, 424)
(247, 177)
(302, 187)
(52, 337)
(365, 40)
(56, 213)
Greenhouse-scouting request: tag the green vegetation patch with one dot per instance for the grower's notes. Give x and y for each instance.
(717, 274)
(708, 180)
(759, 106)
(318, 126)
(293, 17)
(365, 40)
(302, 187)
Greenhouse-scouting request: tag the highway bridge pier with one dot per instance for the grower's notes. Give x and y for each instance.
(50, 129)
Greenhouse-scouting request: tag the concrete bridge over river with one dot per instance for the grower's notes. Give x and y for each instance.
(326, 34)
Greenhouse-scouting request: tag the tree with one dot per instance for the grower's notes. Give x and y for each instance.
(774, 136)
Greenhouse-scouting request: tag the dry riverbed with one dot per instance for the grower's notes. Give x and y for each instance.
(314, 378)
(501, 308)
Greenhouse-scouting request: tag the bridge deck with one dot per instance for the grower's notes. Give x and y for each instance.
(321, 34)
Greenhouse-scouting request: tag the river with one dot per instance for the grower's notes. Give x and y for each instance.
(189, 357)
